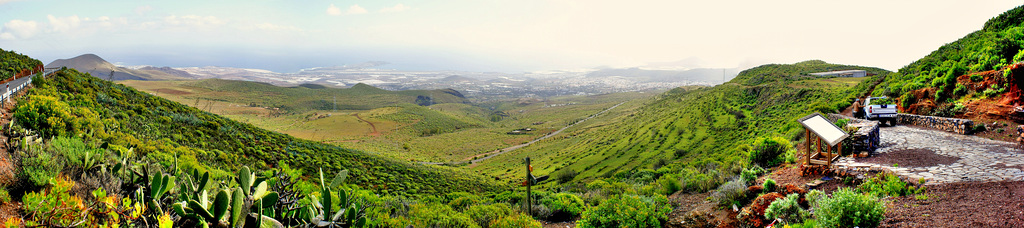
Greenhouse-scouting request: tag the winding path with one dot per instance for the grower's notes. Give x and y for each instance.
(511, 148)
(972, 158)
(372, 126)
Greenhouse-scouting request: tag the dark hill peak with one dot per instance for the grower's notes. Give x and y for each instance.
(365, 87)
(100, 68)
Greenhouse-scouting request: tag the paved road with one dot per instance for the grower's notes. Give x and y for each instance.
(11, 87)
(980, 159)
(511, 148)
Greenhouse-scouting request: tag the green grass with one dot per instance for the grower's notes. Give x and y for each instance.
(297, 99)
(170, 133)
(437, 133)
(12, 63)
(709, 126)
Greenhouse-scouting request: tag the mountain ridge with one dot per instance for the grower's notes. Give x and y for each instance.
(100, 68)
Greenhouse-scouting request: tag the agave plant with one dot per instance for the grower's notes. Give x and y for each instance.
(246, 203)
(351, 213)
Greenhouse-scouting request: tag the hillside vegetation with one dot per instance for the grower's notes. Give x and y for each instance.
(972, 74)
(702, 133)
(12, 63)
(300, 99)
(73, 104)
(443, 132)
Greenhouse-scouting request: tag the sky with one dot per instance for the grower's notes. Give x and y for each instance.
(490, 35)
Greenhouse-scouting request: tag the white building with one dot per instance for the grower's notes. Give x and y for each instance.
(843, 73)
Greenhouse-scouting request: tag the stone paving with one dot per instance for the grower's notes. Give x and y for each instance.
(981, 159)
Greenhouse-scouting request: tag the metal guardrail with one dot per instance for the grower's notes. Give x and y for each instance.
(17, 88)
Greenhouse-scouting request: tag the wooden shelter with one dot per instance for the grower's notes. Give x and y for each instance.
(823, 130)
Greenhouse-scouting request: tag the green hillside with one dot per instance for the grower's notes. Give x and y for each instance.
(978, 66)
(75, 104)
(12, 63)
(698, 129)
(306, 98)
(792, 72)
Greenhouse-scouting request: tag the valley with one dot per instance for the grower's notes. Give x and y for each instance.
(466, 130)
(92, 144)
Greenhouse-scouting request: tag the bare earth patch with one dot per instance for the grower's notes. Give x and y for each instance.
(963, 204)
(910, 158)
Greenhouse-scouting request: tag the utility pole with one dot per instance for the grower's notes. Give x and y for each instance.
(335, 103)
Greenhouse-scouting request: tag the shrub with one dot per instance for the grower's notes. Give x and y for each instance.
(960, 90)
(766, 151)
(790, 157)
(484, 215)
(788, 209)
(730, 193)
(565, 174)
(564, 206)
(670, 184)
(5, 197)
(55, 206)
(515, 220)
(907, 100)
(53, 117)
(627, 211)
(510, 197)
(813, 197)
(39, 166)
(695, 181)
(885, 184)
(76, 152)
(842, 122)
(976, 78)
(540, 211)
(769, 185)
(597, 185)
(438, 215)
(979, 128)
(464, 202)
(847, 208)
(750, 175)
(753, 215)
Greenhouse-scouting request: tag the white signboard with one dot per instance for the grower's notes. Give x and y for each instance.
(824, 129)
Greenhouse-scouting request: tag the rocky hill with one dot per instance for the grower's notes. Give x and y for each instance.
(100, 68)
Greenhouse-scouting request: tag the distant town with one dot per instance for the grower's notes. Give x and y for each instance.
(480, 86)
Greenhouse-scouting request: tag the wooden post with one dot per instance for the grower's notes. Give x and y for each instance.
(817, 148)
(529, 205)
(829, 157)
(807, 151)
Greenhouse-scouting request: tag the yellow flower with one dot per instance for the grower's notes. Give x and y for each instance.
(165, 221)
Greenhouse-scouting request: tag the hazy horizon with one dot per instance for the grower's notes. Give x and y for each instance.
(490, 36)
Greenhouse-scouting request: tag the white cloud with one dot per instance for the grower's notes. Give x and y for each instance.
(193, 20)
(6, 1)
(143, 9)
(397, 8)
(333, 10)
(64, 24)
(356, 9)
(19, 29)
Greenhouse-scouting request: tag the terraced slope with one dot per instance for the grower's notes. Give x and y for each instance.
(703, 129)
